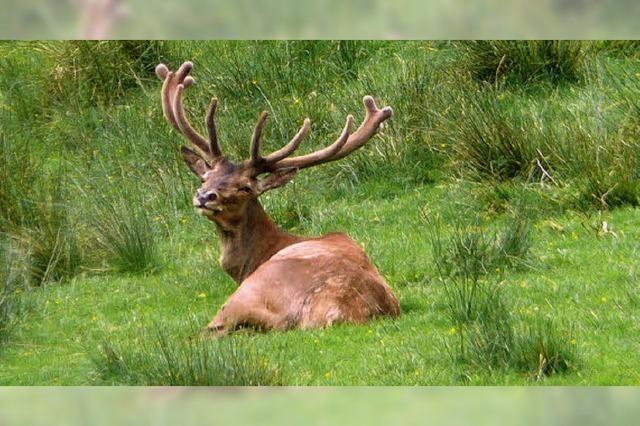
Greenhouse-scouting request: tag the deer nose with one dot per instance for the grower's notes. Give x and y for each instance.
(205, 197)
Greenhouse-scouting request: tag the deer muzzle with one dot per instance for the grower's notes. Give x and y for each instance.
(206, 203)
(203, 197)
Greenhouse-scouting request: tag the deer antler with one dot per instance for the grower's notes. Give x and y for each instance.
(174, 84)
(343, 146)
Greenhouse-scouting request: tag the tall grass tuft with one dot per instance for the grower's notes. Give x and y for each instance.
(514, 242)
(542, 348)
(487, 341)
(498, 341)
(125, 233)
(471, 298)
(52, 250)
(489, 337)
(475, 304)
(611, 168)
(161, 360)
(619, 48)
(288, 207)
(597, 153)
(490, 138)
(523, 61)
(472, 250)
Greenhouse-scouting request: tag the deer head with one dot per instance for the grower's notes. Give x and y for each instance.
(227, 186)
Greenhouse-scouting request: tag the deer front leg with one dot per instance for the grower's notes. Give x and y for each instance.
(237, 313)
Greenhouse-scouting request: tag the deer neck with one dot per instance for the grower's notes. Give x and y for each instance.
(250, 240)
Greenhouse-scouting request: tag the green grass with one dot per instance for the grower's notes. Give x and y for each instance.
(483, 204)
(598, 297)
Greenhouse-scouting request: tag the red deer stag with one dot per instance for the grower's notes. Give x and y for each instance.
(285, 281)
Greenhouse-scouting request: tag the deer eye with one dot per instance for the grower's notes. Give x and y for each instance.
(246, 189)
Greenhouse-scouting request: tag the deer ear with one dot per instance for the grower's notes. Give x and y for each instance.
(194, 161)
(276, 179)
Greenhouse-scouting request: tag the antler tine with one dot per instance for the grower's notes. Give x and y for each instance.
(290, 147)
(211, 129)
(255, 157)
(369, 127)
(167, 77)
(185, 127)
(321, 156)
(170, 81)
(173, 87)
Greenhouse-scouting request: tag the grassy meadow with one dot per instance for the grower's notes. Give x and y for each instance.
(500, 203)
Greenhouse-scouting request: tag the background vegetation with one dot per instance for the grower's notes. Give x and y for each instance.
(307, 19)
(500, 204)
